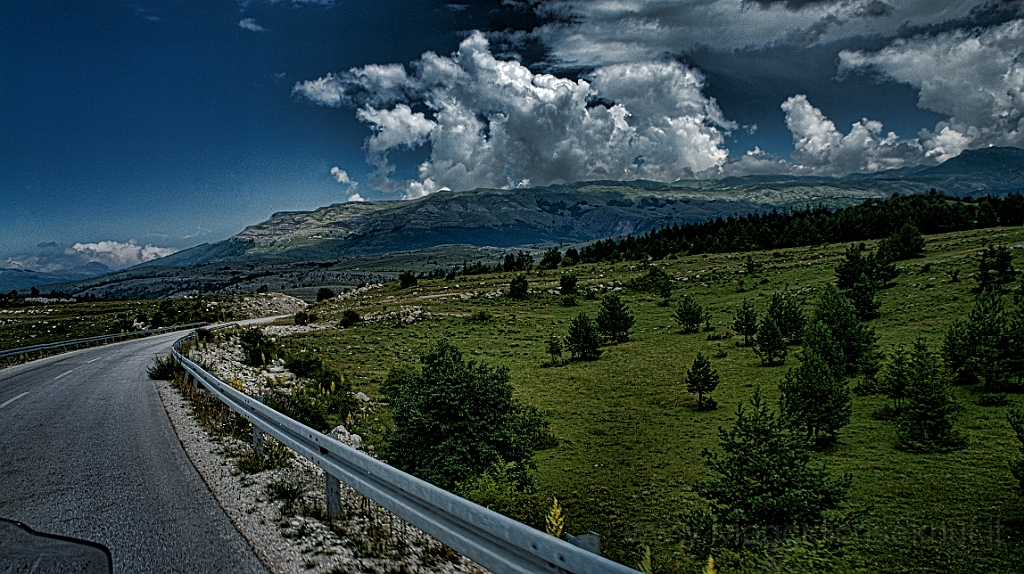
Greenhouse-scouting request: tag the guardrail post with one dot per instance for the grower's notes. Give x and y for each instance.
(332, 492)
(257, 437)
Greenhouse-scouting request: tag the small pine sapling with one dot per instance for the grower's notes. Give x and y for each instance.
(702, 378)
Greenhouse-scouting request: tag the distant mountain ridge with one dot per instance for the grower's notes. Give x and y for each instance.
(369, 237)
(583, 211)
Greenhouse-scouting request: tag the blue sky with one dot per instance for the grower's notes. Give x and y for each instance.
(131, 129)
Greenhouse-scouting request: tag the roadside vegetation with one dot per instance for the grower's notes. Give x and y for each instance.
(890, 395)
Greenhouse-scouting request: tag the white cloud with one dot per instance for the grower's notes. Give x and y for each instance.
(976, 77)
(821, 149)
(606, 32)
(355, 197)
(117, 255)
(340, 175)
(495, 123)
(251, 25)
(112, 254)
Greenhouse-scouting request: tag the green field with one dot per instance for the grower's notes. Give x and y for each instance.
(630, 436)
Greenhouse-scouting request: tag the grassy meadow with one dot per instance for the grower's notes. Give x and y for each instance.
(630, 437)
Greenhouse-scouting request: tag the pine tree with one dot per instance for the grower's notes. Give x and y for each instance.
(864, 296)
(519, 288)
(788, 316)
(746, 322)
(769, 343)
(980, 347)
(555, 349)
(614, 320)
(584, 340)
(856, 340)
(702, 378)
(818, 340)
(765, 476)
(904, 243)
(689, 314)
(815, 399)
(896, 378)
(995, 268)
(930, 412)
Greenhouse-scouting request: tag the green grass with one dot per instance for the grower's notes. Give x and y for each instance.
(630, 436)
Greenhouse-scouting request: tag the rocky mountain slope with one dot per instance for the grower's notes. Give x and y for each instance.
(351, 239)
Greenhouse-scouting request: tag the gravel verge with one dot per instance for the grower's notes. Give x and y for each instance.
(291, 536)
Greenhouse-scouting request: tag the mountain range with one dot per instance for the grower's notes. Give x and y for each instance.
(350, 240)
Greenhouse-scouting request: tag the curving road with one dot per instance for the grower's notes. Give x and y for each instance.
(87, 450)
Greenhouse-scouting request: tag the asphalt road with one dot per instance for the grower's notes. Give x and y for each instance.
(87, 450)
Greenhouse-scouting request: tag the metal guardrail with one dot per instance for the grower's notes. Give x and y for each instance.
(494, 541)
(88, 341)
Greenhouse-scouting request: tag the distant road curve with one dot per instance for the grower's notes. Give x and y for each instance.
(88, 451)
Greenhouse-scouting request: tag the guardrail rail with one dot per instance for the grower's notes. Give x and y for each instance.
(88, 341)
(494, 541)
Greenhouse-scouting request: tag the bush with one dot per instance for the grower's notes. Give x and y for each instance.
(164, 368)
(301, 318)
(568, 301)
(656, 282)
(480, 316)
(350, 318)
(519, 288)
(456, 419)
(324, 294)
(700, 379)
(584, 340)
(499, 489)
(567, 284)
(407, 280)
(257, 347)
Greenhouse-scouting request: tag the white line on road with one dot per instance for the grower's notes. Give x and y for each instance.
(93, 361)
(62, 374)
(14, 399)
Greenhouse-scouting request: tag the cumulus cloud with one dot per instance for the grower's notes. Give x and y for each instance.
(110, 254)
(251, 25)
(341, 176)
(117, 255)
(976, 77)
(495, 123)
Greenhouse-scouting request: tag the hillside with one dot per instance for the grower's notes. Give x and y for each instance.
(345, 242)
(629, 434)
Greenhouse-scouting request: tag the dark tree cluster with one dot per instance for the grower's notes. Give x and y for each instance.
(873, 219)
(521, 261)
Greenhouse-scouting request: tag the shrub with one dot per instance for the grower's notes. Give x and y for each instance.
(568, 301)
(350, 318)
(407, 280)
(164, 368)
(555, 349)
(904, 243)
(656, 281)
(480, 316)
(499, 489)
(567, 284)
(256, 346)
(456, 419)
(301, 318)
(584, 340)
(519, 288)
